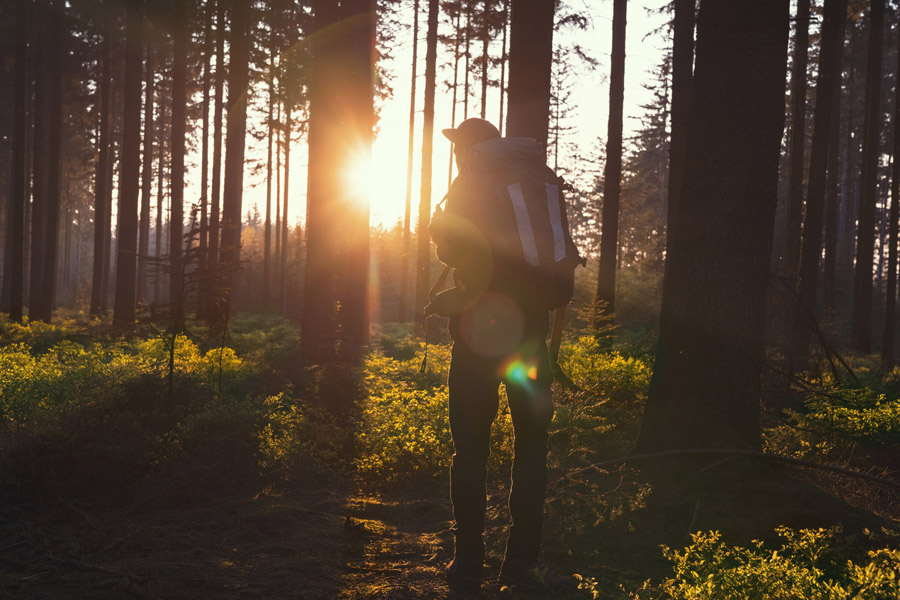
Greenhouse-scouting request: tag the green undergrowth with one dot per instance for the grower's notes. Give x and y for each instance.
(806, 563)
(83, 408)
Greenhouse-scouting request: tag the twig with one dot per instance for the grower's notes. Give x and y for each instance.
(694, 517)
(749, 453)
(80, 566)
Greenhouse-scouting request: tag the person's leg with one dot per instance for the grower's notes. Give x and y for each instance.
(473, 390)
(531, 408)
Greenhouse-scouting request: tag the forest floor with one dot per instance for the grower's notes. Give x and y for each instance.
(340, 541)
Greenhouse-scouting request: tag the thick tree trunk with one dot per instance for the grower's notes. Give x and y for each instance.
(14, 266)
(861, 332)
(828, 80)
(485, 58)
(359, 69)
(503, 59)
(179, 125)
(797, 140)
(146, 181)
(43, 308)
(209, 284)
(705, 386)
(318, 320)
(39, 164)
(126, 240)
(682, 74)
(612, 171)
(404, 253)
(833, 194)
(101, 191)
(530, 65)
(423, 254)
(238, 76)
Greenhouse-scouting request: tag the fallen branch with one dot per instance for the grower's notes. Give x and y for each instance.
(749, 453)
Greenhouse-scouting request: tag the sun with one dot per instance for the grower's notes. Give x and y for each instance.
(378, 179)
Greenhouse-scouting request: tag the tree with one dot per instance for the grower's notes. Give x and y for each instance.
(14, 265)
(146, 179)
(404, 253)
(612, 173)
(238, 78)
(861, 331)
(40, 160)
(798, 140)
(705, 386)
(179, 122)
(126, 241)
(828, 79)
(890, 308)
(423, 254)
(682, 73)
(530, 66)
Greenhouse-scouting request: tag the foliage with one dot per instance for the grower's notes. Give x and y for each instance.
(807, 564)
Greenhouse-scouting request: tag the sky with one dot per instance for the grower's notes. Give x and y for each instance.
(385, 177)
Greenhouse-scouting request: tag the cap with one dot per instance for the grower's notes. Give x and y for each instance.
(471, 132)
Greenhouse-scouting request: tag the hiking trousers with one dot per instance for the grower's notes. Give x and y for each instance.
(474, 385)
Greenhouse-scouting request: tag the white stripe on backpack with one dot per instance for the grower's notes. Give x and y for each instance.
(559, 240)
(523, 224)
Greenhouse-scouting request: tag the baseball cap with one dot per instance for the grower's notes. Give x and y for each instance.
(471, 132)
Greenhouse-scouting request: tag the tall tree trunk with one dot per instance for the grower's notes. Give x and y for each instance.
(485, 41)
(43, 308)
(828, 80)
(267, 251)
(705, 386)
(890, 307)
(468, 56)
(160, 190)
(39, 164)
(209, 298)
(203, 254)
(359, 68)
(612, 172)
(455, 87)
(101, 193)
(530, 66)
(179, 124)
(318, 320)
(798, 140)
(126, 240)
(277, 257)
(682, 73)
(833, 192)
(282, 265)
(503, 59)
(423, 254)
(238, 76)
(146, 180)
(861, 331)
(404, 253)
(14, 266)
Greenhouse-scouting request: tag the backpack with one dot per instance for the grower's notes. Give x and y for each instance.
(530, 233)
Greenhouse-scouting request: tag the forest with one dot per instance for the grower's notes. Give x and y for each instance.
(225, 367)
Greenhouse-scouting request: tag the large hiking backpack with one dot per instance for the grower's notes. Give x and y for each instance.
(530, 235)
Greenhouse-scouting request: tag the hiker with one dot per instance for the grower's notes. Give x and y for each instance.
(498, 313)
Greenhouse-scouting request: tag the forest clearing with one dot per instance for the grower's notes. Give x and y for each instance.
(267, 334)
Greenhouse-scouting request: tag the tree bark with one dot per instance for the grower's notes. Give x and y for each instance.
(797, 140)
(833, 193)
(101, 191)
(238, 75)
(203, 253)
(282, 263)
(318, 320)
(423, 254)
(705, 387)
(209, 298)
(861, 331)
(828, 80)
(404, 253)
(14, 266)
(179, 125)
(126, 240)
(267, 251)
(39, 164)
(530, 65)
(612, 172)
